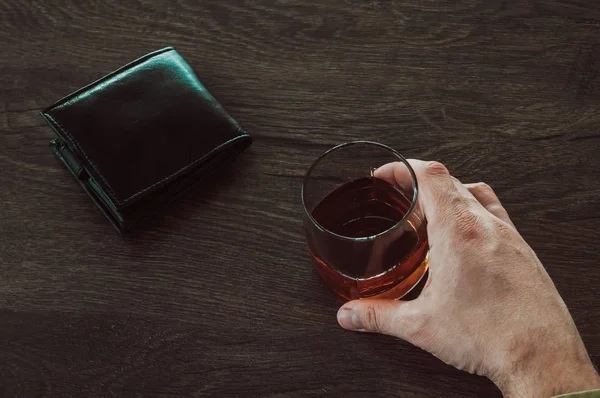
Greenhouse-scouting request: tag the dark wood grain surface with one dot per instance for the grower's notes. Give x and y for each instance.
(217, 296)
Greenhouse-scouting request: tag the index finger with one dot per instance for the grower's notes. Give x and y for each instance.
(437, 194)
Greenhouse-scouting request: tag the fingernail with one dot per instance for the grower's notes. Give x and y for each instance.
(348, 319)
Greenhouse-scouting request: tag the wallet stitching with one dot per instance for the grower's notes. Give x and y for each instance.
(135, 195)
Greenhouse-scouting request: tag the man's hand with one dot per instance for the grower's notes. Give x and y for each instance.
(488, 307)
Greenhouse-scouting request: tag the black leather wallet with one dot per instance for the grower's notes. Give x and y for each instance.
(143, 134)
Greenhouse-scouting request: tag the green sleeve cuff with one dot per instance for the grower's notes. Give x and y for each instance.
(582, 394)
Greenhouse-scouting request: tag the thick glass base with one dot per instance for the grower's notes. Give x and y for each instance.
(391, 285)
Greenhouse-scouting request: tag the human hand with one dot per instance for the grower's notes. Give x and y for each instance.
(489, 307)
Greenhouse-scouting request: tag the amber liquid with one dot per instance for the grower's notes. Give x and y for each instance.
(384, 265)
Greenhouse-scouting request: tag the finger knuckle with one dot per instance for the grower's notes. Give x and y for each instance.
(372, 318)
(468, 224)
(488, 192)
(434, 168)
(497, 208)
(483, 187)
(483, 192)
(503, 229)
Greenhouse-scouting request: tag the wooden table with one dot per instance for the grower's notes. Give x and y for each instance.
(217, 296)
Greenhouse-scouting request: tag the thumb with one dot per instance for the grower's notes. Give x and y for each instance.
(401, 319)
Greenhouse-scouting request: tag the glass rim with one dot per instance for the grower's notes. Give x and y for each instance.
(352, 143)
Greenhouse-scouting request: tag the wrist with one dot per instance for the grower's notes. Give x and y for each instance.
(546, 384)
(551, 375)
